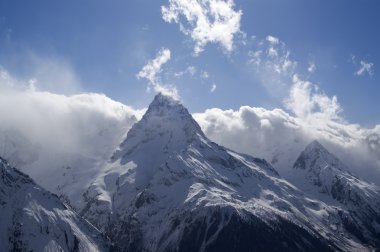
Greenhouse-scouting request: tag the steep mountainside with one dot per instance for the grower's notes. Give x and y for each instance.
(324, 176)
(32, 219)
(169, 188)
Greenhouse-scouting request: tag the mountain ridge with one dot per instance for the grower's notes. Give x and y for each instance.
(166, 179)
(327, 178)
(167, 187)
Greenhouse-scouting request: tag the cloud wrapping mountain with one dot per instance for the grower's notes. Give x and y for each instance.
(42, 132)
(91, 125)
(278, 137)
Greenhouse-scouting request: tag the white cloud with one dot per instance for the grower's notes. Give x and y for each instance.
(49, 74)
(277, 72)
(153, 67)
(279, 137)
(213, 88)
(307, 102)
(273, 66)
(205, 21)
(7, 82)
(190, 70)
(46, 131)
(365, 68)
(42, 132)
(152, 70)
(54, 75)
(204, 75)
(352, 58)
(273, 40)
(312, 67)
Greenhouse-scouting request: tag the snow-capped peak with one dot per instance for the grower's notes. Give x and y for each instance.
(316, 157)
(330, 176)
(167, 125)
(167, 183)
(172, 113)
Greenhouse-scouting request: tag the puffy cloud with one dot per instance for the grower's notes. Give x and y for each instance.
(279, 137)
(88, 124)
(306, 101)
(205, 21)
(42, 132)
(151, 72)
(365, 68)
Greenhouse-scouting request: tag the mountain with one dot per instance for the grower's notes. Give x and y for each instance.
(32, 219)
(324, 176)
(169, 188)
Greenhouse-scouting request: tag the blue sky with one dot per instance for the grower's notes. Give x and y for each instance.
(103, 45)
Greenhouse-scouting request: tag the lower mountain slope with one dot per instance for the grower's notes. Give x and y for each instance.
(32, 219)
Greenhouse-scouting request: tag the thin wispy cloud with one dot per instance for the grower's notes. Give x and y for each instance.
(53, 74)
(312, 67)
(273, 40)
(205, 21)
(152, 70)
(213, 88)
(273, 66)
(204, 75)
(365, 68)
(278, 73)
(190, 70)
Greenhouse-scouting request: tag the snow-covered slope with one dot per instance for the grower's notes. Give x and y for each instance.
(169, 188)
(32, 219)
(323, 175)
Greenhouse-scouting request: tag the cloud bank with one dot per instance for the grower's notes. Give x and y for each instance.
(279, 137)
(205, 21)
(42, 132)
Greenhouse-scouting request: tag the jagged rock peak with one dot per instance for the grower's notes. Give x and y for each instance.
(316, 147)
(167, 114)
(316, 156)
(163, 100)
(167, 124)
(166, 106)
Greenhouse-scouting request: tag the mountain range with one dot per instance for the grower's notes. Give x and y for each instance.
(167, 187)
